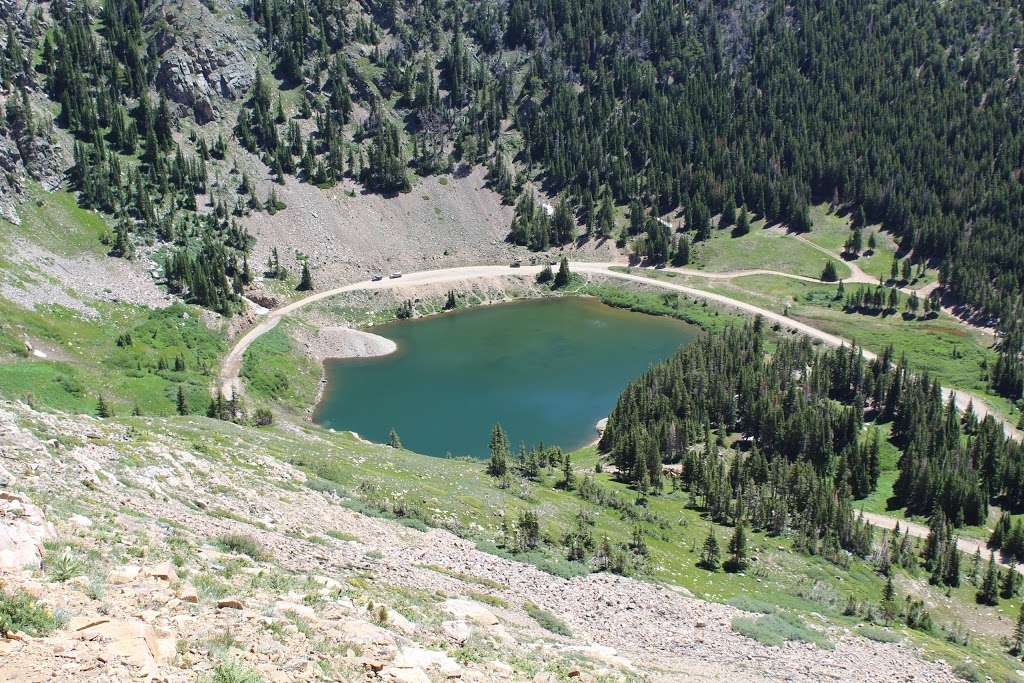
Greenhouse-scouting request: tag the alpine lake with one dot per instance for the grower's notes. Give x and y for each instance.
(546, 369)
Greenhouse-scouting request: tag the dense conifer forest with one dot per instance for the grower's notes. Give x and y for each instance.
(687, 110)
(807, 423)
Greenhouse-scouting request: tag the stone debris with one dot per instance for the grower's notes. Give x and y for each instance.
(160, 602)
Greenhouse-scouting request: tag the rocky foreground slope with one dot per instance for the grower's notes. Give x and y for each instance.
(178, 559)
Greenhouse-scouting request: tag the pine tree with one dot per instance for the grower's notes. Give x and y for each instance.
(1017, 648)
(709, 557)
(306, 281)
(182, 404)
(393, 439)
(103, 408)
(568, 478)
(1008, 585)
(497, 465)
(888, 600)
(829, 274)
(988, 594)
(742, 223)
(737, 561)
(563, 275)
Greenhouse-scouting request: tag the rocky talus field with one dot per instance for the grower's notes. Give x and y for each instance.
(177, 550)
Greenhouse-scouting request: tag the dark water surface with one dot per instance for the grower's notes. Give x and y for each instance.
(546, 369)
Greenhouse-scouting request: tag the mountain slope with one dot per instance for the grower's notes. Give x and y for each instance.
(181, 493)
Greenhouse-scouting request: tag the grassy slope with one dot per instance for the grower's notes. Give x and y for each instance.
(831, 232)
(760, 248)
(458, 495)
(85, 359)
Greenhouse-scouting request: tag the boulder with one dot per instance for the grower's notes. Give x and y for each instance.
(23, 528)
(413, 657)
(364, 633)
(124, 574)
(458, 630)
(187, 593)
(229, 603)
(164, 571)
(283, 607)
(132, 641)
(80, 521)
(398, 621)
(391, 673)
(471, 610)
(6, 478)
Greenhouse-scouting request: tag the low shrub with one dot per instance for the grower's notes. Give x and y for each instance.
(749, 604)
(880, 635)
(968, 671)
(246, 545)
(230, 671)
(21, 612)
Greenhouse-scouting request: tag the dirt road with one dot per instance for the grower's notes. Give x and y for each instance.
(229, 381)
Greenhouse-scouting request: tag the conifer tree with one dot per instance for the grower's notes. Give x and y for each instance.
(306, 281)
(103, 408)
(737, 561)
(988, 593)
(568, 478)
(182, 404)
(563, 275)
(497, 465)
(829, 273)
(709, 556)
(1017, 646)
(393, 439)
(1008, 585)
(888, 600)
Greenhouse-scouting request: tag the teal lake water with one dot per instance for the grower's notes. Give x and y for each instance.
(546, 369)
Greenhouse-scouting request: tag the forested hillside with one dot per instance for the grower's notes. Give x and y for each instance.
(906, 113)
(804, 415)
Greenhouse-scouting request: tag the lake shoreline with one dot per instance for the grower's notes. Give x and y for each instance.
(338, 343)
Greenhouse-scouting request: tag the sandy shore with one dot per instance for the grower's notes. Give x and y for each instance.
(346, 342)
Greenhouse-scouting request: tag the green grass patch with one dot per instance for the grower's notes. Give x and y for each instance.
(547, 620)
(275, 370)
(244, 545)
(879, 634)
(770, 249)
(776, 629)
(466, 578)
(134, 357)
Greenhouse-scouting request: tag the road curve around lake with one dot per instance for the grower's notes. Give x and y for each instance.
(229, 376)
